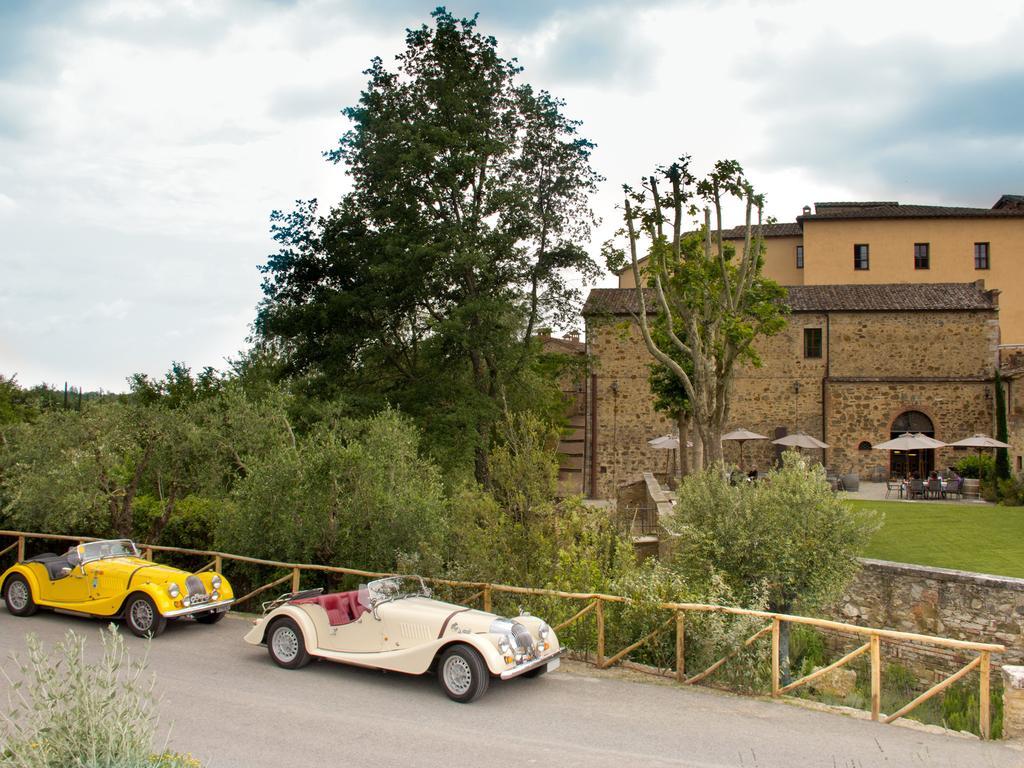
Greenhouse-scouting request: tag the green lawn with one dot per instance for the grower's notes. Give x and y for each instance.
(969, 537)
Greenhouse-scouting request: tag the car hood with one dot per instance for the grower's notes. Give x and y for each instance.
(435, 614)
(139, 570)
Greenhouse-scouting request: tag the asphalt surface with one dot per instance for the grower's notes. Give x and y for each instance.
(229, 705)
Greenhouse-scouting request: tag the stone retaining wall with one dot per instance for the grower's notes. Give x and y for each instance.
(936, 601)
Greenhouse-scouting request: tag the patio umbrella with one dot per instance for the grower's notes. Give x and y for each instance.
(741, 436)
(908, 442)
(931, 441)
(980, 441)
(667, 443)
(800, 440)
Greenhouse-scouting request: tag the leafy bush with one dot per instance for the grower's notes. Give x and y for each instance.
(357, 494)
(978, 466)
(789, 535)
(69, 713)
(1011, 491)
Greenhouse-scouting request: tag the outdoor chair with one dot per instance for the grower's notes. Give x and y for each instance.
(890, 486)
(934, 488)
(916, 489)
(954, 488)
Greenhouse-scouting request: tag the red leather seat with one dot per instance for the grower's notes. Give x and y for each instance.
(341, 607)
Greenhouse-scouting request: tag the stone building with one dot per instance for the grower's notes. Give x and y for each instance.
(856, 365)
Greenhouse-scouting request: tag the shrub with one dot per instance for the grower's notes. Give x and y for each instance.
(977, 467)
(68, 713)
(1011, 491)
(790, 533)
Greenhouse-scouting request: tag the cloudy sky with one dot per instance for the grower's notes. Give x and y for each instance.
(144, 143)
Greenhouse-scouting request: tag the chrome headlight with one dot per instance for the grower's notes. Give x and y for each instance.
(173, 590)
(503, 646)
(544, 631)
(215, 581)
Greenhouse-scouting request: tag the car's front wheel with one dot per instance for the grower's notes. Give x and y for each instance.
(18, 596)
(143, 617)
(463, 674)
(286, 645)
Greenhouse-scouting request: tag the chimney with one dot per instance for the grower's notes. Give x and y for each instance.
(807, 210)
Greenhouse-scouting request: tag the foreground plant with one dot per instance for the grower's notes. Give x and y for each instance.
(65, 711)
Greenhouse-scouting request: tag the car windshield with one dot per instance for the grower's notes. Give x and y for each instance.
(392, 588)
(99, 550)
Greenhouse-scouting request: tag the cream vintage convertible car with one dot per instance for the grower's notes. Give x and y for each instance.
(394, 624)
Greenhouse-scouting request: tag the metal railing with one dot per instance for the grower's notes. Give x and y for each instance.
(594, 604)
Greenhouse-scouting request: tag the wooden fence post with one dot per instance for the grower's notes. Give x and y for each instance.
(147, 553)
(775, 657)
(217, 564)
(21, 548)
(599, 611)
(876, 677)
(296, 575)
(487, 598)
(985, 719)
(680, 646)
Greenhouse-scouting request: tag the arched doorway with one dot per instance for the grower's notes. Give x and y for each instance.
(917, 463)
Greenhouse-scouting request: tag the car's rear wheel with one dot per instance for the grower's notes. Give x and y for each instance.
(142, 616)
(210, 618)
(286, 645)
(18, 596)
(463, 674)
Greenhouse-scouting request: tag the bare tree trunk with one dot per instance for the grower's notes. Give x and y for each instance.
(684, 437)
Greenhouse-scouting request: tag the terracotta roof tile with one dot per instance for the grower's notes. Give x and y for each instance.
(892, 297)
(893, 210)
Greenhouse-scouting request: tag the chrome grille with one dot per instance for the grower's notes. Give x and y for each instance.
(523, 639)
(194, 585)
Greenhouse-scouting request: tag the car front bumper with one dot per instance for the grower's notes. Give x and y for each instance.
(526, 666)
(220, 606)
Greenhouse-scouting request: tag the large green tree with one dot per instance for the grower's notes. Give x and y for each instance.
(463, 230)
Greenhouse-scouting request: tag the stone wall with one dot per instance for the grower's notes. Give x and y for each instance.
(1015, 419)
(862, 411)
(936, 601)
(875, 366)
(626, 418)
(913, 344)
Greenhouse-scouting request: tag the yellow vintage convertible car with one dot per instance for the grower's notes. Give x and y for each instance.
(111, 580)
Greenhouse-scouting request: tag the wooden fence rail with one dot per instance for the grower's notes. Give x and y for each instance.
(595, 604)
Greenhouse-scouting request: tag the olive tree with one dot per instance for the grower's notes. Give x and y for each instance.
(789, 538)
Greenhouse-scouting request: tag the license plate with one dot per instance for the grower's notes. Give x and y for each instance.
(554, 664)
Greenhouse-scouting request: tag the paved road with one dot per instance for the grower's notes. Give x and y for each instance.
(233, 708)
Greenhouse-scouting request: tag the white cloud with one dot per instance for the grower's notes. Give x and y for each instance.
(143, 144)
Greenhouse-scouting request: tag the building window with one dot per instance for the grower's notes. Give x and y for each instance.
(981, 260)
(864, 446)
(812, 342)
(860, 256)
(799, 257)
(922, 258)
